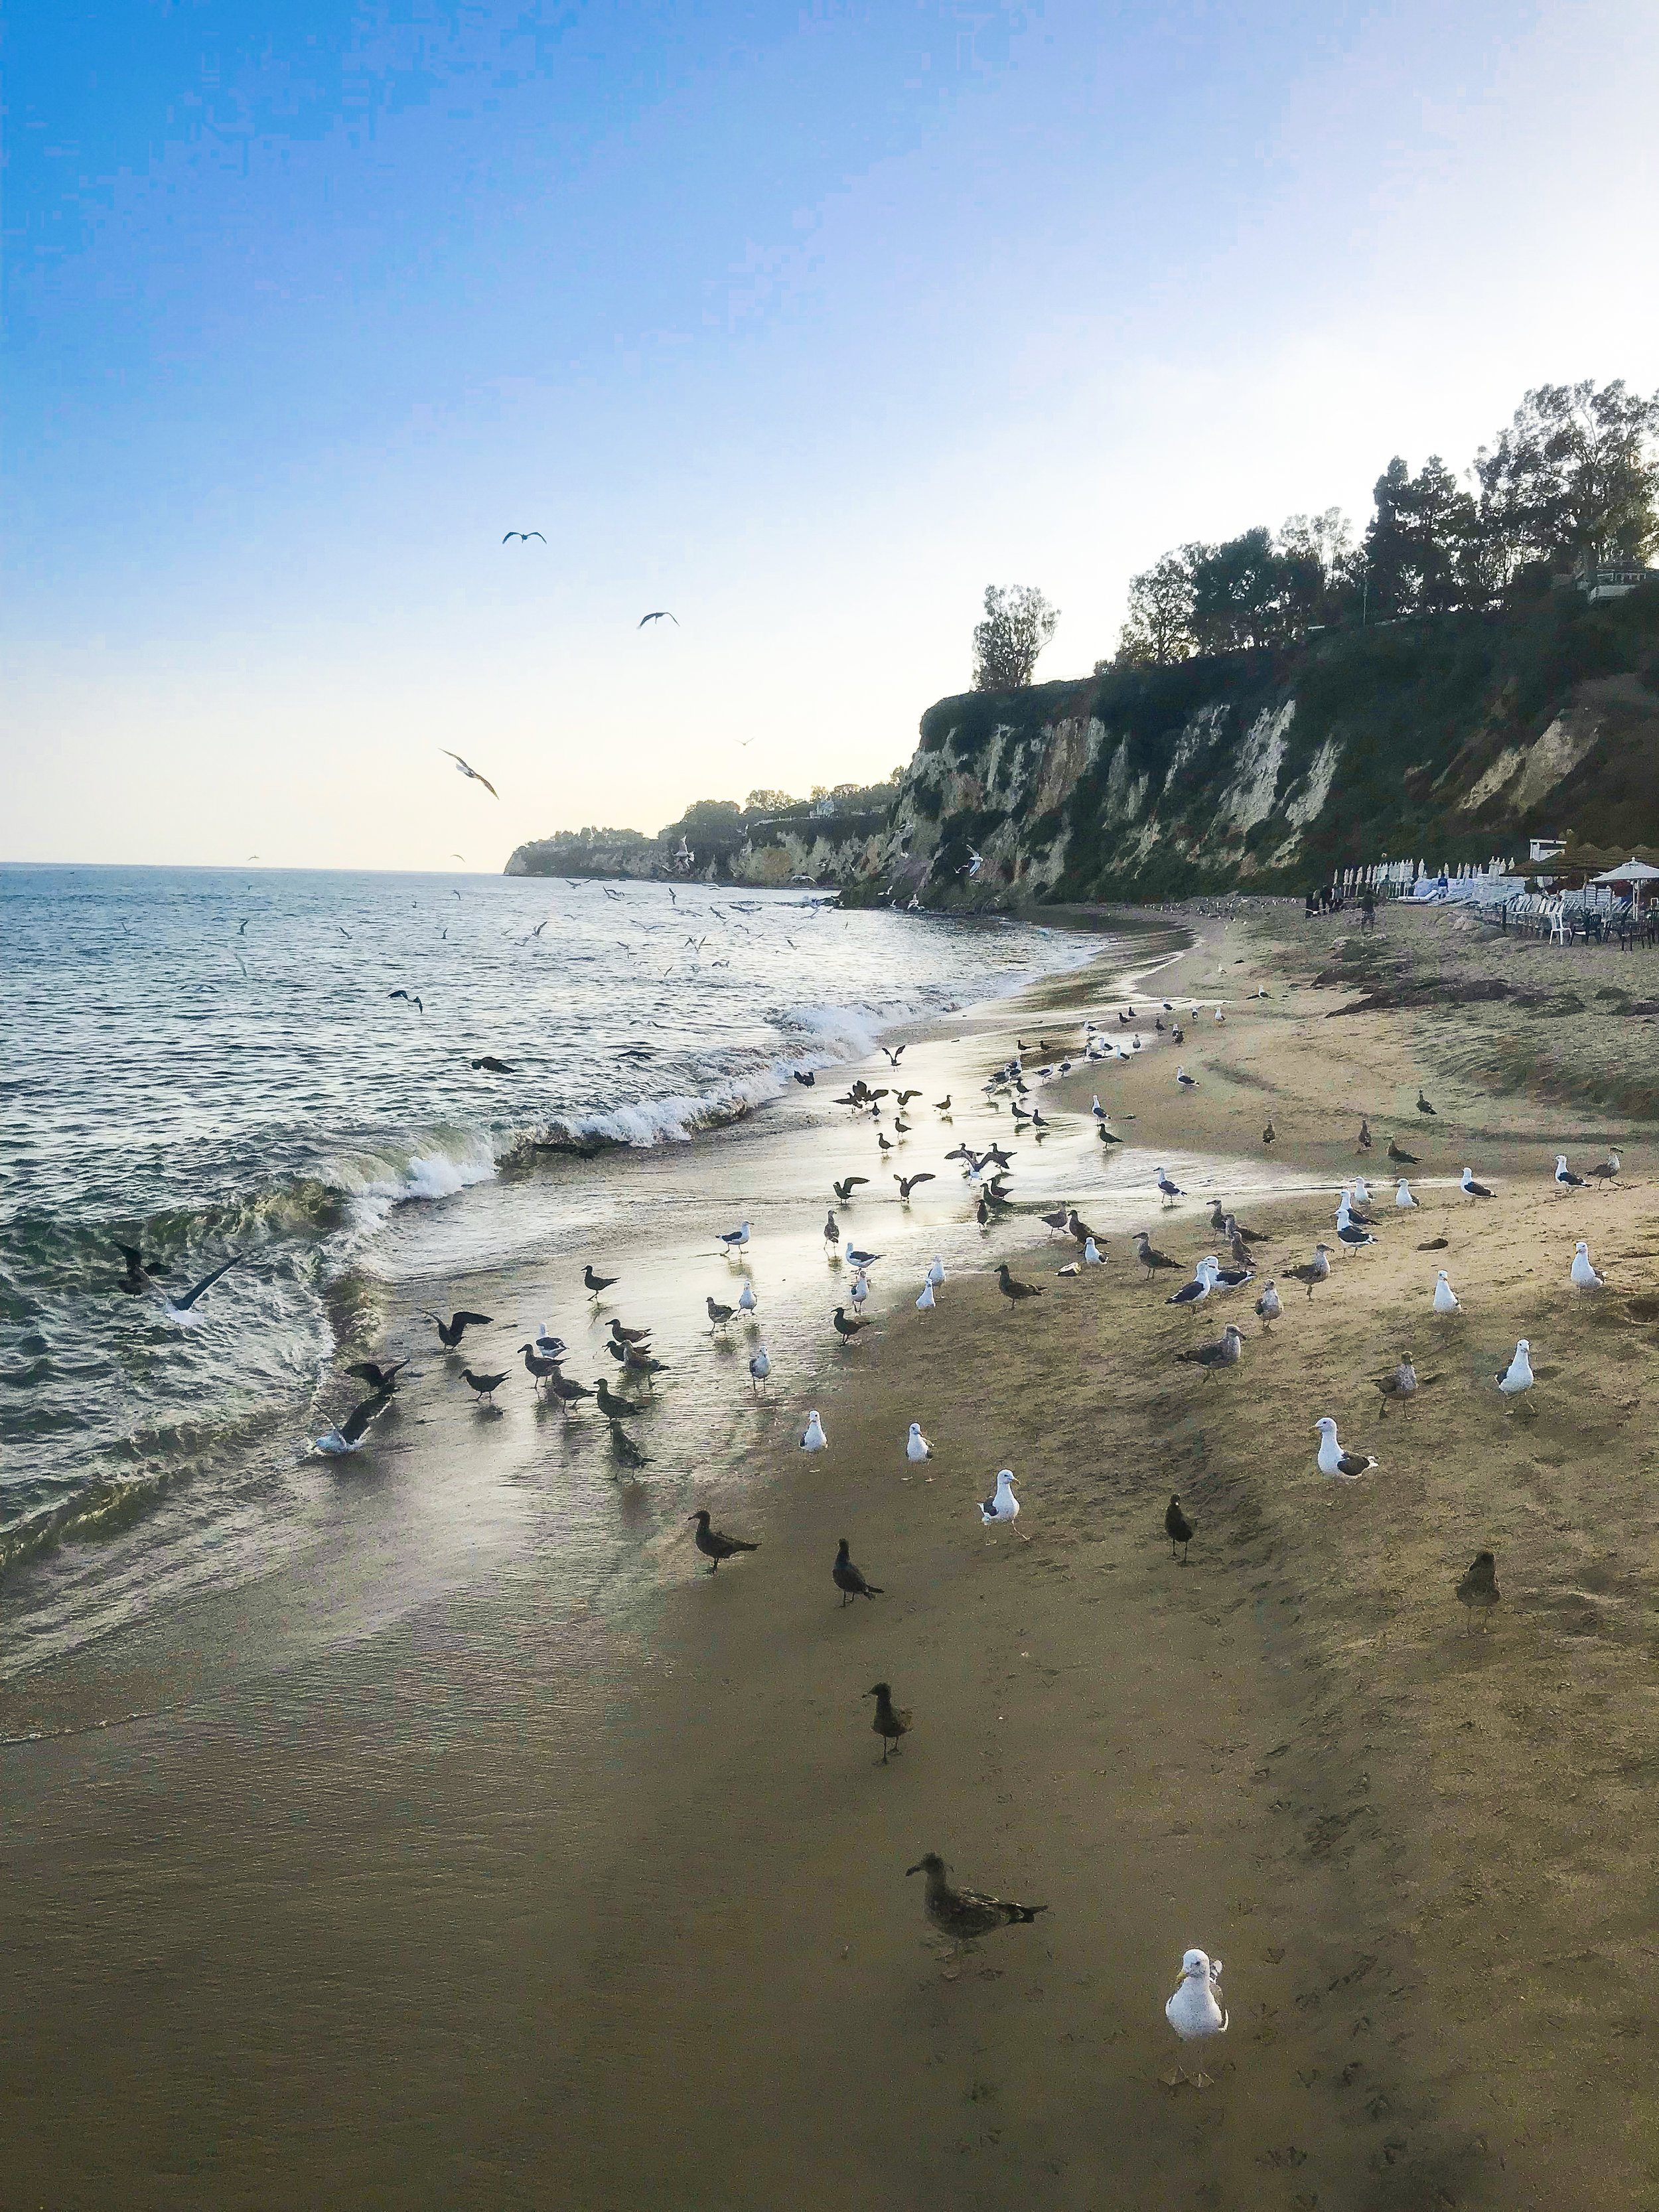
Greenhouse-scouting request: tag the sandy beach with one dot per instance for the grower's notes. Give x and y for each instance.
(515, 1897)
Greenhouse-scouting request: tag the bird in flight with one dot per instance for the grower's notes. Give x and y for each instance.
(457, 856)
(523, 536)
(412, 998)
(659, 614)
(471, 772)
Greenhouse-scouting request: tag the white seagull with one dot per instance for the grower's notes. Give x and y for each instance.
(181, 1310)
(549, 1347)
(916, 1446)
(1002, 1505)
(1184, 1081)
(1517, 1375)
(1564, 1177)
(1090, 1254)
(1194, 1294)
(925, 1303)
(1345, 1465)
(1194, 2011)
(734, 1239)
(1474, 1189)
(936, 1272)
(861, 1290)
(1584, 1277)
(1169, 1191)
(1361, 1192)
(471, 772)
(814, 1439)
(746, 1298)
(348, 1435)
(1402, 1196)
(1445, 1298)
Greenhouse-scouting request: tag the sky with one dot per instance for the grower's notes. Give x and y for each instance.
(806, 322)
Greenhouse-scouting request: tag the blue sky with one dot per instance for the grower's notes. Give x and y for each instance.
(807, 322)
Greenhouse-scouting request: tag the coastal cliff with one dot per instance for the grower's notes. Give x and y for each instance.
(1452, 738)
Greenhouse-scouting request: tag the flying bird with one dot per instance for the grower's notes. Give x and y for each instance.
(524, 536)
(472, 773)
(451, 1332)
(657, 614)
(413, 1001)
(140, 1271)
(182, 1309)
(348, 1436)
(381, 1380)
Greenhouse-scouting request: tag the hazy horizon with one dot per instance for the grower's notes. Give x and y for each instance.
(805, 325)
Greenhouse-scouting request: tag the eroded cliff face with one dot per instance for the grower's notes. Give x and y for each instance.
(851, 854)
(1450, 739)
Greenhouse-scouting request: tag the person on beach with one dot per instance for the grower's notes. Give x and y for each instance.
(1368, 909)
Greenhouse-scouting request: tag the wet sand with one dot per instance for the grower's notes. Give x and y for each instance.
(523, 1898)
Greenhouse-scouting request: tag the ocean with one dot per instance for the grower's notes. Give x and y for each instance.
(205, 1062)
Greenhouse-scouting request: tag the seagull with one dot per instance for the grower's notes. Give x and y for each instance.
(1316, 1270)
(625, 1447)
(1013, 1290)
(1056, 1221)
(140, 1271)
(1478, 1589)
(595, 1284)
(719, 1316)
(860, 1291)
(1364, 1143)
(1362, 1191)
(1171, 1191)
(1149, 1257)
(1002, 1505)
(1517, 1377)
(411, 997)
(916, 1446)
(636, 1360)
(1222, 1351)
(1399, 1382)
(844, 1190)
(908, 1183)
(1184, 1081)
(831, 1230)
(1196, 1292)
(1608, 1170)
(451, 1332)
(628, 1335)
(1195, 2012)
(348, 1435)
(849, 1580)
(747, 1301)
(491, 1066)
(734, 1239)
(659, 614)
(713, 1545)
(1228, 1279)
(567, 1393)
(381, 1380)
(894, 1053)
(613, 1407)
(1092, 1253)
(472, 773)
(927, 1301)
(525, 535)
(1423, 1105)
(1177, 1527)
(806, 1081)
(965, 1913)
(1445, 1299)
(485, 1385)
(891, 1721)
(1270, 1136)
(1474, 1189)
(1401, 1157)
(936, 1273)
(759, 1368)
(814, 1439)
(1584, 1277)
(1269, 1307)
(860, 1260)
(181, 1310)
(1564, 1177)
(1352, 1238)
(1345, 1465)
(1402, 1196)
(846, 1329)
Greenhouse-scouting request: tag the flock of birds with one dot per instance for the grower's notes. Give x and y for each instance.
(1194, 2010)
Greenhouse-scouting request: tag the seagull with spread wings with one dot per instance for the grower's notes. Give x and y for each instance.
(523, 536)
(657, 614)
(470, 772)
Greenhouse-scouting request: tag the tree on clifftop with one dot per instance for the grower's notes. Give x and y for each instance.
(1159, 630)
(1018, 623)
(1575, 477)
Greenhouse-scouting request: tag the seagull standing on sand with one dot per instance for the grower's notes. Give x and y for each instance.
(1608, 1170)
(1399, 1382)
(1222, 1351)
(1478, 1589)
(713, 1546)
(1518, 1376)
(1343, 1466)
(925, 1302)
(1196, 1292)
(849, 1580)
(1185, 1082)
(1268, 1309)
(1445, 1299)
(1470, 1188)
(1565, 1178)
(891, 1721)
(1002, 1505)
(1178, 1528)
(1194, 2011)
(916, 1446)
(1169, 1191)
(814, 1439)
(1584, 1277)
(936, 1273)
(966, 1913)
(747, 1299)
(1402, 1196)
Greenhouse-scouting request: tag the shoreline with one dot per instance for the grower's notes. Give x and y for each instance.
(668, 1882)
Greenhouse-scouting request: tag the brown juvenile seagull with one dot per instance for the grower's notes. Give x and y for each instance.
(567, 1393)
(484, 1384)
(1221, 1352)
(1397, 1153)
(846, 1329)
(1177, 1527)
(1013, 1290)
(637, 1361)
(718, 1314)
(630, 1335)
(965, 1913)
(1401, 1383)
(1364, 1143)
(908, 1183)
(1477, 1589)
(713, 1546)
(892, 1721)
(1316, 1270)
(613, 1407)
(1270, 1136)
(1149, 1257)
(849, 1580)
